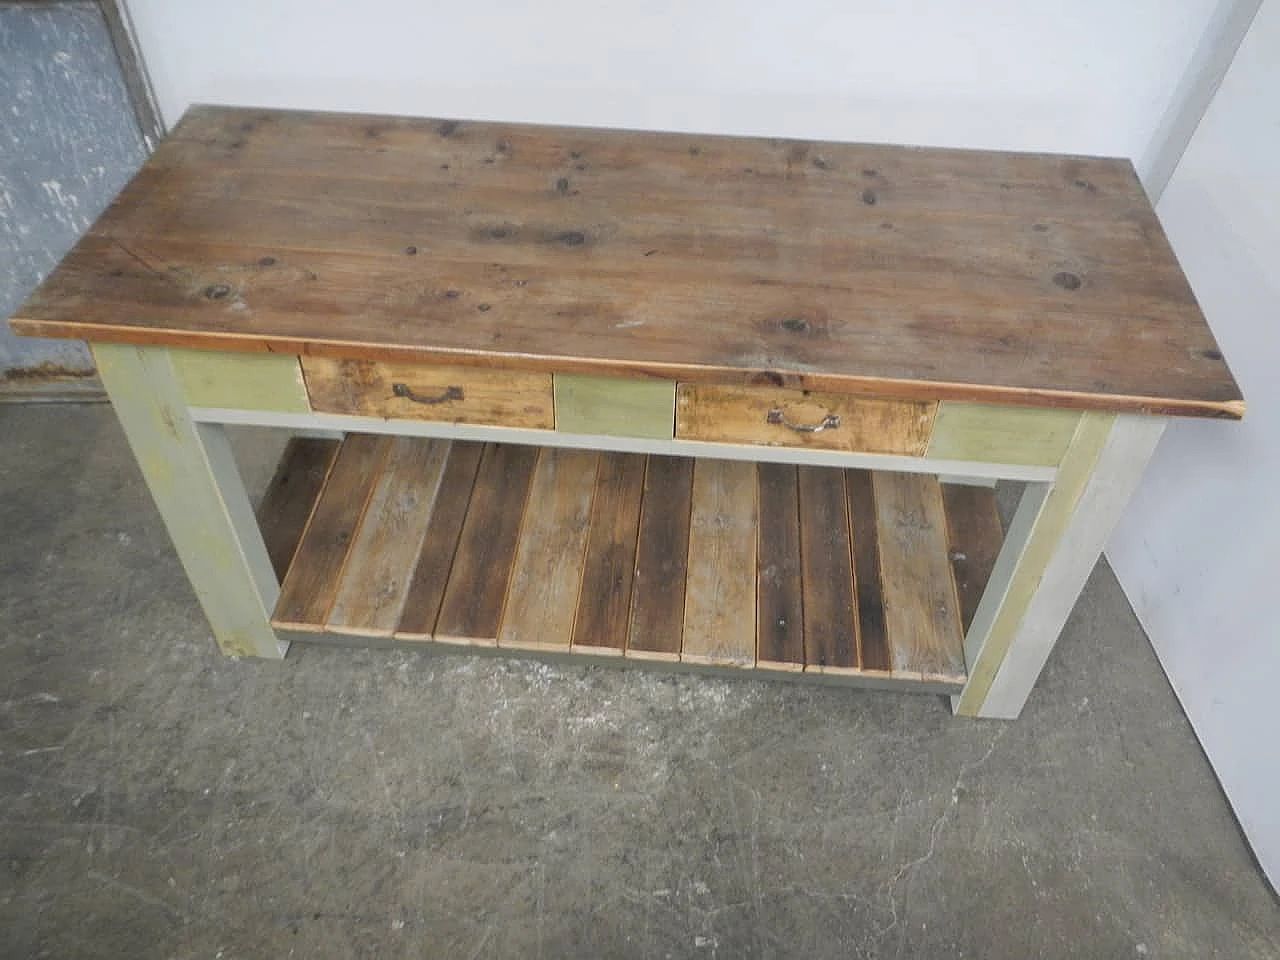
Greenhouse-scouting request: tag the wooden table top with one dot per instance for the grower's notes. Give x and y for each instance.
(890, 271)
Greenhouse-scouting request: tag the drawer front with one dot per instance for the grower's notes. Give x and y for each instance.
(241, 381)
(775, 417)
(411, 391)
(614, 406)
(992, 434)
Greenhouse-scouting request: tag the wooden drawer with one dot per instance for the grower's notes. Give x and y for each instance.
(410, 391)
(774, 417)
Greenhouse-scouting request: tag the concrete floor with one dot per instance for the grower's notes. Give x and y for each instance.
(157, 800)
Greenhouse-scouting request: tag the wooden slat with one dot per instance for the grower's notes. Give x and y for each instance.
(609, 569)
(471, 611)
(922, 617)
(315, 144)
(286, 505)
(974, 537)
(662, 555)
(872, 639)
(720, 602)
(830, 620)
(880, 271)
(380, 562)
(546, 577)
(615, 332)
(426, 588)
(718, 563)
(312, 582)
(319, 144)
(779, 606)
(385, 213)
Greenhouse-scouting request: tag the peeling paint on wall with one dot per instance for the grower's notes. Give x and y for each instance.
(68, 142)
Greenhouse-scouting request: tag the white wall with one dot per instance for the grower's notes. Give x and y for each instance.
(1198, 550)
(1081, 76)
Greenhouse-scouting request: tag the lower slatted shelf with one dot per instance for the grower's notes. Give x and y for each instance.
(864, 576)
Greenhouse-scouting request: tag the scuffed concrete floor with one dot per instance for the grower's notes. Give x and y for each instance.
(157, 800)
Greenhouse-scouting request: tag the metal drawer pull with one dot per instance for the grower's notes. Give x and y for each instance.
(829, 422)
(405, 391)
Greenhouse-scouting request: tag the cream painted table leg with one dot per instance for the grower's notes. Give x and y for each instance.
(195, 483)
(1053, 543)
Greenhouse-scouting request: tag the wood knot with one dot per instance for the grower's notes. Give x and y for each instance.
(217, 291)
(1067, 281)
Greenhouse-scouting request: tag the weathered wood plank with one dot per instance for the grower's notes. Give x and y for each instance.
(830, 612)
(546, 577)
(319, 144)
(381, 558)
(312, 583)
(290, 496)
(384, 211)
(609, 569)
(440, 544)
(779, 596)
(720, 600)
(471, 611)
(882, 271)
(974, 537)
(614, 406)
(1024, 435)
(662, 556)
(873, 641)
(772, 416)
(238, 381)
(922, 617)
(415, 391)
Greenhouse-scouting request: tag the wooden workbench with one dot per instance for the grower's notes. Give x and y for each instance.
(733, 404)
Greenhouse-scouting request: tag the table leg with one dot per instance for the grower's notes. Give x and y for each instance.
(196, 485)
(1053, 543)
